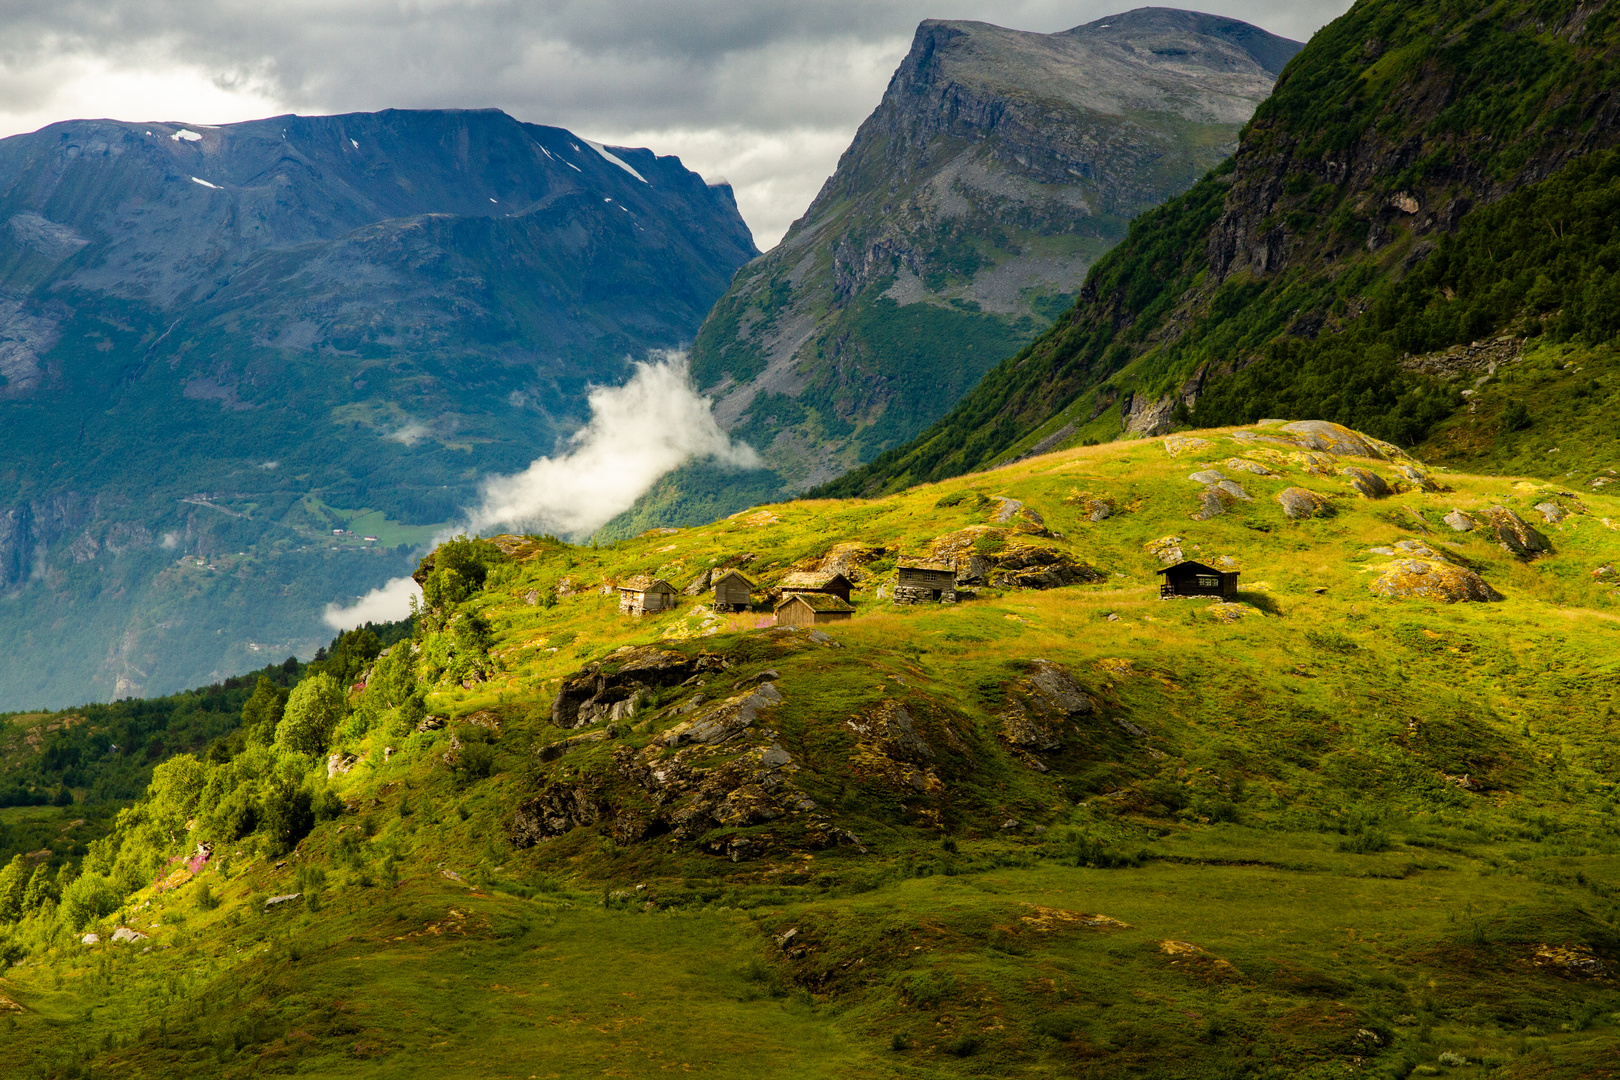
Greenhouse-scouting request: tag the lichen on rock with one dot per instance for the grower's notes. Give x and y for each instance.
(1366, 482)
(1167, 549)
(1433, 580)
(1300, 503)
(1184, 445)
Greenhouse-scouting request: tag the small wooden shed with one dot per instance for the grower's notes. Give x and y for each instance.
(925, 581)
(733, 592)
(1195, 579)
(817, 582)
(811, 609)
(643, 595)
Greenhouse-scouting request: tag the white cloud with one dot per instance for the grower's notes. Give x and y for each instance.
(170, 541)
(637, 433)
(387, 604)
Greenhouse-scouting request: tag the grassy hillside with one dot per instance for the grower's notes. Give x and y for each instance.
(1313, 832)
(1425, 177)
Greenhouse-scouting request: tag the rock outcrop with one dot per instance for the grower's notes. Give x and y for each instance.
(610, 688)
(1300, 503)
(1367, 482)
(1432, 579)
(1514, 533)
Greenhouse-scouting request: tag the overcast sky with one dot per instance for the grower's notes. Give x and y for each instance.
(765, 93)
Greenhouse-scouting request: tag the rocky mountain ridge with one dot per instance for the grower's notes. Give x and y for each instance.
(1246, 297)
(997, 168)
(222, 344)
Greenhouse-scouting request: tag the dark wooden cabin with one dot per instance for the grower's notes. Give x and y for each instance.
(732, 592)
(1195, 579)
(924, 581)
(816, 582)
(811, 609)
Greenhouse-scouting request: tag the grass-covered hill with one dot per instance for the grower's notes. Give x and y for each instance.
(1338, 826)
(1416, 226)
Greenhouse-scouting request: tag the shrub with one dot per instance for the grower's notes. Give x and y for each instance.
(313, 710)
(206, 898)
(1365, 842)
(89, 897)
(288, 815)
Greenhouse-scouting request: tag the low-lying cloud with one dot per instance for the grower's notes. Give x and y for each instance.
(636, 434)
(386, 604)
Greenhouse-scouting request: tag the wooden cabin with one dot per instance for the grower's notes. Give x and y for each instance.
(924, 581)
(1195, 579)
(816, 582)
(643, 595)
(733, 592)
(811, 609)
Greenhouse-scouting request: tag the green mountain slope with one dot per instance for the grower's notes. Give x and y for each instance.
(963, 217)
(225, 343)
(1423, 180)
(1335, 826)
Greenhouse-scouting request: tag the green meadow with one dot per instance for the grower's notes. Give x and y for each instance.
(1316, 832)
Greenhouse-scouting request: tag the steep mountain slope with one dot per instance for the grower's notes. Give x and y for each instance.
(1353, 259)
(1336, 826)
(997, 168)
(221, 344)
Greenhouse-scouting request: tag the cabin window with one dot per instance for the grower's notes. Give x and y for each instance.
(1206, 581)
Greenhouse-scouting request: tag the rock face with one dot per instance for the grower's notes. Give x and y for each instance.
(610, 689)
(1433, 580)
(1041, 707)
(1367, 482)
(1299, 503)
(967, 210)
(1514, 533)
(410, 277)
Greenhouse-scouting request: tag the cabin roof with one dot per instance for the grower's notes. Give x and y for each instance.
(1194, 567)
(813, 579)
(934, 565)
(644, 583)
(738, 576)
(816, 602)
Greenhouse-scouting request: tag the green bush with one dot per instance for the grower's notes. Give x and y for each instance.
(89, 897)
(313, 711)
(288, 815)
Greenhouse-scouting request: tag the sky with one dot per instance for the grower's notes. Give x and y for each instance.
(762, 93)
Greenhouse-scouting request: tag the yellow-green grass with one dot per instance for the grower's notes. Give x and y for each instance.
(1291, 815)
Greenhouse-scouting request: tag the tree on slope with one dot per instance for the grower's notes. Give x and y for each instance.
(313, 710)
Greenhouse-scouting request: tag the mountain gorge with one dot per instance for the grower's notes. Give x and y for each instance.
(999, 166)
(221, 345)
(1414, 235)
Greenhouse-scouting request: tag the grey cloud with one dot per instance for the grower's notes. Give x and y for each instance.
(699, 78)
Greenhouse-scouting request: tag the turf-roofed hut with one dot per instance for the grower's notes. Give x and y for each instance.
(1195, 579)
(643, 595)
(925, 581)
(733, 592)
(818, 582)
(811, 609)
